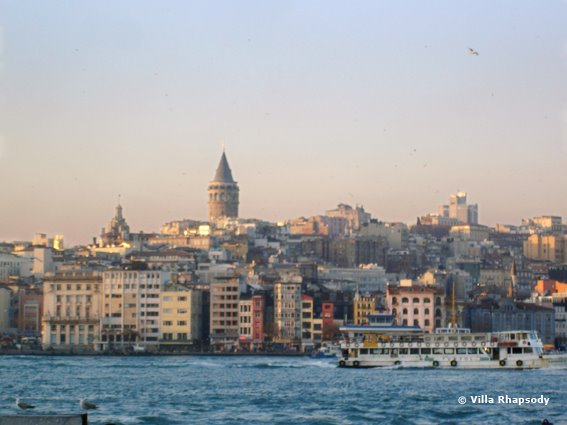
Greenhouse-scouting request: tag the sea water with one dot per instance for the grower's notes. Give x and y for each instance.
(276, 390)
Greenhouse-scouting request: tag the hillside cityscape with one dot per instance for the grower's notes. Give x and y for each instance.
(231, 284)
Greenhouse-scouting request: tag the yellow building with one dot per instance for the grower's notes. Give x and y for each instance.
(362, 307)
(180, 317)
(130, 313)
(546, 248)
(71, 309)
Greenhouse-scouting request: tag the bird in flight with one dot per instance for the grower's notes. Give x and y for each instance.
(473, 52)
(24, 406)
(88, 406)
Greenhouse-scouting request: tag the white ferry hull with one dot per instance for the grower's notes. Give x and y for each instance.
(447, 363)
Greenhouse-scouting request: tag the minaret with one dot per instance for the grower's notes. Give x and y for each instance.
(512, 287)
(223, 192)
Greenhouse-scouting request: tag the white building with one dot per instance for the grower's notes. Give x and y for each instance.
(14, 265)
(368, 278)
(130, 313)
(287, 311)
(71, 309)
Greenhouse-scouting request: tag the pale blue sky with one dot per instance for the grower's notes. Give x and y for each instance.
(317, 102)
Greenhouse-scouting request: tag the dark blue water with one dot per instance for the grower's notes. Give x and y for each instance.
(268, 390)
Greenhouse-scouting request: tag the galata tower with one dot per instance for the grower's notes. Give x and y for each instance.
(223, 192)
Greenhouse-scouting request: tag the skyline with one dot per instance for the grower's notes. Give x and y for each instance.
(317, 104)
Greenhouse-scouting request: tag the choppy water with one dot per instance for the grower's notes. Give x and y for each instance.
(270, 390)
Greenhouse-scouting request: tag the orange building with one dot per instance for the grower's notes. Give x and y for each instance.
(549, 286)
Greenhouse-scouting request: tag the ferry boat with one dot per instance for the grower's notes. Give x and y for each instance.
(382, 344)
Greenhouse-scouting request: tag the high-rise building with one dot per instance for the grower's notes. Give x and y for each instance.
(224, 324)
(288, 308)
(459, 209)
(130, 308)
(223, 192)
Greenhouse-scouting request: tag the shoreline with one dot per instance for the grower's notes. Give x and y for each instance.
(155, 354)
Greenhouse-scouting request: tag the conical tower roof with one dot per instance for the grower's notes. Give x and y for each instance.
(223, 173)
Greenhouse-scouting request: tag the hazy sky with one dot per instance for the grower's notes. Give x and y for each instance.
(318, 102)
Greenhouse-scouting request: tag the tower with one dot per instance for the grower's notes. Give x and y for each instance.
(223, 192)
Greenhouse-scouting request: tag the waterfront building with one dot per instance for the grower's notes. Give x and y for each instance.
(130, 310)
(71, 309)
(180, 316)
(287, 311)
(5, 301)
(224, 306)
(362, 307)
(251, 320)
(30, 312)
(223, 192)
(416, 304)
(327, 321)
(306, 321)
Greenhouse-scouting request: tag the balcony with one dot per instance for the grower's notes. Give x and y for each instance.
(71, 319)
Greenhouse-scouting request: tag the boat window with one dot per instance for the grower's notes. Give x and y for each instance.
(486, 350)
(509, 350)
(528, 350)
(479, 338)
(386, 351)
(461, 351)
(403, 351)
(394, 351)
(437, 351)
(364, 351)
(426, 351)
(414, 350)
(453, 338)
(512, 336)
(472, 350)
(465, 338)
(517, 350)
(449, 351)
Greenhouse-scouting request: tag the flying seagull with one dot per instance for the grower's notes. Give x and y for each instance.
(24, 406)
(473, 52)
(88, 406)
